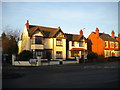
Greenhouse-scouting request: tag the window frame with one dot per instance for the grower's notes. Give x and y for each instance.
(39, 40)
(106, 44)
(59, 55)
(111, 44)
(82, 43)
(73, 43)
(116, 43)
(59, 42)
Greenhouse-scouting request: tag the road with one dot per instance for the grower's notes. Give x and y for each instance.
(96, 75)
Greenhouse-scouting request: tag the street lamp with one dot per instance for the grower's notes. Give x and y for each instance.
(84, 47)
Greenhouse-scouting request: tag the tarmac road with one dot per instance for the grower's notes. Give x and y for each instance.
(100, 75)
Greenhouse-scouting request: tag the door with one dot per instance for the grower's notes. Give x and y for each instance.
(48, 54)
(113, 54)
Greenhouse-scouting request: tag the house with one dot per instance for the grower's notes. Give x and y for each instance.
(76, 45)
(46, 42)
(103, 44)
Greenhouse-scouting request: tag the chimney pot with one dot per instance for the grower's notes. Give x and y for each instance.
(59, 28)
(97, 32)
(81, 32)
(27, 24)
(113, 34)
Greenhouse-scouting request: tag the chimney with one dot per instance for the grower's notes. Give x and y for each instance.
(97, 32)
(113, 34)
(59, 28)
(27, 24)
(81, 32)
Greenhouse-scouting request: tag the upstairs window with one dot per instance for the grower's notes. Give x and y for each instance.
(116, 45)
(111, 44)
(38, 40)
(81, 44)
(72, 43)
(106, 44)
(59, 42)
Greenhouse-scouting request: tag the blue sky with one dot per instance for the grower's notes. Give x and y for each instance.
(70, 16)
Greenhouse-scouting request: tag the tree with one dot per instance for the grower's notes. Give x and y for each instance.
(92, 56)
(10, 38)
(5, 43)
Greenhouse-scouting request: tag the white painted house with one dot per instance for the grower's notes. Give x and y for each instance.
(76, 45)
(43, 41)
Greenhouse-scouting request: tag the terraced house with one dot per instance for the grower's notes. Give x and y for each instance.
(103, 44)
(43, 41)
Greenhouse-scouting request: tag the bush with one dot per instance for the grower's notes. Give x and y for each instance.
(25, 55)
(92, 56)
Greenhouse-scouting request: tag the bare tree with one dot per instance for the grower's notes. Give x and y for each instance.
(9, 31)
(10, 39)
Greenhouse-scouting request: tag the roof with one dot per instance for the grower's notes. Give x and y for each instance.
(47, 31)
(106, 37)
(74, 37)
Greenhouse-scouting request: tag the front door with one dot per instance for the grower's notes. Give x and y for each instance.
(113, 54)
(48, 54)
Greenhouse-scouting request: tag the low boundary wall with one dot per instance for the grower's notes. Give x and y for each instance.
(54, 62)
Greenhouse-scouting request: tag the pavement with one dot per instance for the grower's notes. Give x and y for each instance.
(83, 75)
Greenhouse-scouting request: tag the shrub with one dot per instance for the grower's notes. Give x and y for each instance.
(92, 56)
(25, 55)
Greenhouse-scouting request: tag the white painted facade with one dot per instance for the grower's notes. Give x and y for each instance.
(49, 43)
(76, 45)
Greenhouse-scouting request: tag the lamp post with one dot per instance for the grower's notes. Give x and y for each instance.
(84, 52)
(84, 46)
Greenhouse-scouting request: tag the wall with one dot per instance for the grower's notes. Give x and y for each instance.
(98, 44)
(24, 44)
(76, 45)
(48, 43)
(19, 46)
(59, 48)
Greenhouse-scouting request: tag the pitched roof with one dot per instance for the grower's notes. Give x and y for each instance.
(74, 37)
(106, 37)
(47, 31)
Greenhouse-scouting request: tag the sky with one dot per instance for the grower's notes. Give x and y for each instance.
(70, 16)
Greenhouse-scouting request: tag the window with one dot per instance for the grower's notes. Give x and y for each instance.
(38, 40)
(106, 44)
(74, 53)
(107, 53)
(111, 44)
(116, 45)
(59, 54)
(81, 44)
(72, 43)
(37, 53)
(58, 42)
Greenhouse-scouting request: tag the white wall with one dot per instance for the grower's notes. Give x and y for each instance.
(24, 44)
(59, 48)
(48, 43)
(76, 45)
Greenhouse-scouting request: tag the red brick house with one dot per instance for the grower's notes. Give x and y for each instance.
(103, 44)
